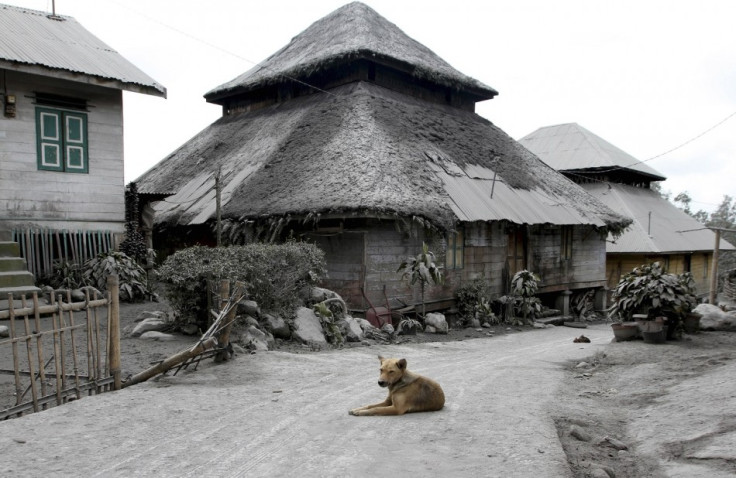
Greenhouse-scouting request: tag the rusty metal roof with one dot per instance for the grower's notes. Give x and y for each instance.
(659, 226)
(569, 146)
(34, 38)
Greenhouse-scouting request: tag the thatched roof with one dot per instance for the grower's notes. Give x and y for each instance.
(365, 150)
(349, 33)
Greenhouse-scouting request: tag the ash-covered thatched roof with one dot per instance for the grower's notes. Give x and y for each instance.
(349, 33)
(368, 151)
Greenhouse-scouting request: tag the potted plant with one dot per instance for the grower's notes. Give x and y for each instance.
(408, 326)
(651, 291)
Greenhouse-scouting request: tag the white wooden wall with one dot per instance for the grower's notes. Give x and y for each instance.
(30, 198)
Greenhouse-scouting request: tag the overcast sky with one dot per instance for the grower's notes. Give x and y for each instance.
(645, 75)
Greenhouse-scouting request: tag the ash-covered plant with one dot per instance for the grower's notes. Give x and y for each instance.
(421, 268)
(65, 275)
(524, 287)
(131, 276)
(277, 276)
(474, 301)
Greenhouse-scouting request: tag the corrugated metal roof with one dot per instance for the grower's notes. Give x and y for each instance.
(571, 147)
(61, 43)
(658, 225)
(470, 193)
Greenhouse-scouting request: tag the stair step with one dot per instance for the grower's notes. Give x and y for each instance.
(9, 249)
(17, 293)
(5, 236)
(16, 279)
(8, 264)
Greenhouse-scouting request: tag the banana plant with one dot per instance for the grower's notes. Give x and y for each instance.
(421, 268)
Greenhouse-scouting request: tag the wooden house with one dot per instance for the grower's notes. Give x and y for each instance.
(362, 140)
(660, 231)
(61, 136)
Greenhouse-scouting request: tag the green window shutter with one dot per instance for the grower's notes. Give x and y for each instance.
(75, 142)
(61, 138)
(49, 139)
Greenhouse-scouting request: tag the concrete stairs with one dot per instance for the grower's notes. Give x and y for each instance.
(14, 276)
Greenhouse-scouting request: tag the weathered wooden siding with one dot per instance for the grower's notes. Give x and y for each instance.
(57, 200)
(618, 265)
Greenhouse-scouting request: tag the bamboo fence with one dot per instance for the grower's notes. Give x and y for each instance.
(57, 355)
(42, 247)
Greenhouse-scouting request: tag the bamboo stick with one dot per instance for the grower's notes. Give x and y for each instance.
(75, 361)
(113, 327)
(96, 347)
(57, 307)
(29, 349)
(90, 355)
(57, 355)
(171, 362)
(16, 364)
(39, 346)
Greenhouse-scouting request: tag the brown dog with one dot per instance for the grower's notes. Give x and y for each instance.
(407, 391)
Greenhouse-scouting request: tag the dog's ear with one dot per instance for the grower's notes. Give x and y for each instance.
(402, 364)
(381, 359)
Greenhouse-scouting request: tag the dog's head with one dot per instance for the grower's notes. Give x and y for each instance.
(391, 371)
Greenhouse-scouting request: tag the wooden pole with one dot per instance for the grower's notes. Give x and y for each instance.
(16, 362)
(113, 325)
(218, 206)
(714, 270)
(57, 357)
(223, 338)
(74, 344)
(171, 362)
(39, 346)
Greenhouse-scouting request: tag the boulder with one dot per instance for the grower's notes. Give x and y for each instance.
(365, 325)
(437, 322)
(248, 320)
(190, 329)
(248, 307)
(351, 329)
(308, 328)
(713, 318)
(254, 339)
(4, 331)
(151, 314)
(146, 325)
(158, 336)
(388, 328)
(277, 326)
(319, 294)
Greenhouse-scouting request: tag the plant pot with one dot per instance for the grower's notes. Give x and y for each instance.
(408, 329)
(624, 331)
(691, 324)
(653, 332)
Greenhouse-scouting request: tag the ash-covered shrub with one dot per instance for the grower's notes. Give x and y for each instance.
(277, 276)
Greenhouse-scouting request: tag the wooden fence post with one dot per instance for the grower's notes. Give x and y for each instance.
(113, 325)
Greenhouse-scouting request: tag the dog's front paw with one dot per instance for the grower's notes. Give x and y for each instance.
(354, 412)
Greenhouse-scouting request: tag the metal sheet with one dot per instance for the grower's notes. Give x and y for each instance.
(36, 38)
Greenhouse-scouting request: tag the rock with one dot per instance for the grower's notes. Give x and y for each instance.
(388, 328)
(319, 294)
(255, 339)
(4, 331)
(713, 318)
(351, 329)
(365, 325)
(429, 329)
(277, 326)
(92, 292)
(539, 325)
(599, 473)
(614, 443)
(146, 325)
(579, 433)
(249, 307)
(308, 328)
(151, 314)
(77, 295)
(158, 336)
(582, 365)
(189, 329)
(438, 322)
(486, 325)
(248, 320)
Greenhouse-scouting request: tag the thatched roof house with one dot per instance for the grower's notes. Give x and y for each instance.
(352, 126)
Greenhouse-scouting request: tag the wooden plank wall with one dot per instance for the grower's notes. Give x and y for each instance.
(54, 199)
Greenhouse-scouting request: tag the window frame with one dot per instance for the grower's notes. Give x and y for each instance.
(566, 243)
(455, 253)
(69, 140)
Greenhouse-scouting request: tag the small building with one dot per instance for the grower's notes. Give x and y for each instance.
(660, 232)
(62, 192)
(364, 141)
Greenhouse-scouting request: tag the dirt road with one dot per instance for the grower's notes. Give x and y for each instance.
(284, 414)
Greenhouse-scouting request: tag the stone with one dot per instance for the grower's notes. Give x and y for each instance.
(579, 433)
(539, 325)
(308, 328)
(713, 318)
(189, 329)
(248, 320)
(599, 473)
(151, 314)
(429, 329)
(319, 294)
(351, 329)
(4, 331)
(158, 336)
(582, 365)
(77, 295)
(277, 326)
(365, 325)
(388, 328)
(254, 338)
(614, 443)
(248, 307)
(146, 325)
(438, 322)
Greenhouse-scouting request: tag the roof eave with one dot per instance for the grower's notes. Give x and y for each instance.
(153, 89)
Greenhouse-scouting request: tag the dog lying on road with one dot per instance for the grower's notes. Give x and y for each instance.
(407, 391)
